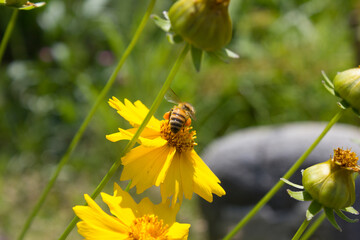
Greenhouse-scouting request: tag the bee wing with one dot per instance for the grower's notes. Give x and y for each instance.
(171, 96)
(192, 115)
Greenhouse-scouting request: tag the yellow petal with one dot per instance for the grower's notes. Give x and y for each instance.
(134, 114)
(165, 167)
(205, 181)
(172, 185)
(153, 123)
(128, 134)
(146, 207)
(118, 207)
(95, 217)
(187, 172)
(167, 213)
(145, 166)
(91, 232)
(178, 231)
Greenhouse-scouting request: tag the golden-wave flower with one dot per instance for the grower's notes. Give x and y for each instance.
(163, 158)
(129, 220)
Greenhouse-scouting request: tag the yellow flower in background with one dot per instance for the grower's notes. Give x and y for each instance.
(163, 158)
(129, 220)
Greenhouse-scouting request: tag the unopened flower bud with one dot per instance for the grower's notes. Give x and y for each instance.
(347, 86)
(331, 183)
(205, 24)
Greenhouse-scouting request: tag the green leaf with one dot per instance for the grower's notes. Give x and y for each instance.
(291, 183)
(313, 209)
(164, 24)
(330, 216)
(299, 195)
(224, 55)
(196, 55)
(351, 210)
(343, 216)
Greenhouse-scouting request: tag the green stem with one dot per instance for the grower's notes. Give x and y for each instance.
(132, 142)
(301, 229)
(287, 175)
(86, 121)
(313, 227)
(8, 32)
(127, 189)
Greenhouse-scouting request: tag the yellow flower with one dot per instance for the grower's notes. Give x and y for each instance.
(163, 158)
(129, 220)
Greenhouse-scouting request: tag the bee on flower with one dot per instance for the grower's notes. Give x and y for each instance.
(163, 158)
(180, 115)
(129, 220)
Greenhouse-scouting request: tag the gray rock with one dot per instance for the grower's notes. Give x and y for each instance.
(249, 162)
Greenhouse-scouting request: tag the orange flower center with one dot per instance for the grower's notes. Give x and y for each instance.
(346, 159)
(184, 140)
(148, 227)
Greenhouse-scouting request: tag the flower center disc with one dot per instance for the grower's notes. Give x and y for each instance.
(148, 227)
(346, 159)
(184, 140)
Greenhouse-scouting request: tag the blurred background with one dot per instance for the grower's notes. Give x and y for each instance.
(61, 55)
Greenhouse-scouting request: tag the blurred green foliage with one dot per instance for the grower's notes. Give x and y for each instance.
(60, 56)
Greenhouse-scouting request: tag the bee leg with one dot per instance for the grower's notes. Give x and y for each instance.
(167, 115)
(188, 122)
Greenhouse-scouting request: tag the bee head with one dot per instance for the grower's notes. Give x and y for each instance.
(188, 108)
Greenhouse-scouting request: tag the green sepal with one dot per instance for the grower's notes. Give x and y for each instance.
(32, 6)
(21, 4)
(313, 209)
(292, 184)
(164, 24)
(343, 216)
(356, 112)
(174, 38)
(299, 195)
(343, 104)
(356, 174)
(328, 84)
(196, 55)
(330, 216)
(224, 55)
(351, 210)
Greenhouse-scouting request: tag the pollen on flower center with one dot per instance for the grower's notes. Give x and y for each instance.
(148, 227)
(184, 140)
(346, 159)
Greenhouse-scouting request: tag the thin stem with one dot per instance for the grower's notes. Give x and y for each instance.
(8, 32)
(287, 175)
(127, 189)
(313, 227)
(132, 142)
(301, 229)
(86, 121)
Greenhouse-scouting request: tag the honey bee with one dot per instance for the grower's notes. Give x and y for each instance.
(181, 114)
